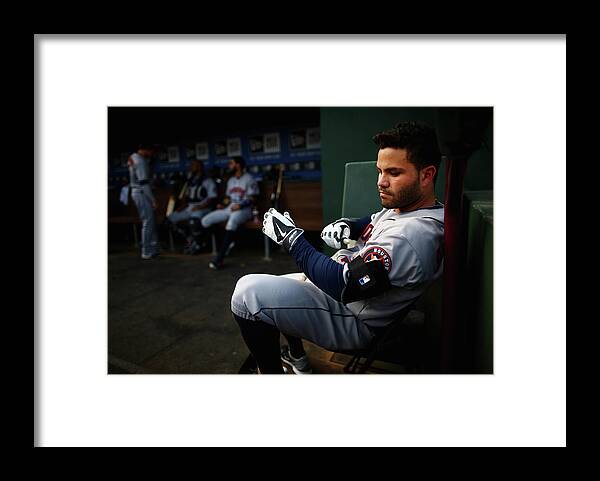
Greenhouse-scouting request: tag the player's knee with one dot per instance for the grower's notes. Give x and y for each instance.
(245, 289)
(244, 284)
(231, 226)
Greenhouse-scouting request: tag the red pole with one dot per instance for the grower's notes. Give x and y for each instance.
(456, 167)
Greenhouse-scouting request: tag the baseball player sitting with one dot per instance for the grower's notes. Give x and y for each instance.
(236, 208)
(201, 194)
(385, 261)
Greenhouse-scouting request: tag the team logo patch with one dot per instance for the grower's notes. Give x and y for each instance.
(363, 280)
(378, 254)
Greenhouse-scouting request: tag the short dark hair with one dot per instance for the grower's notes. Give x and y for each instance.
(419, 140)
(240, 161)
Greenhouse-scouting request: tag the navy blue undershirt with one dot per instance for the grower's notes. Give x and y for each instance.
(324, 272)
(358, 226)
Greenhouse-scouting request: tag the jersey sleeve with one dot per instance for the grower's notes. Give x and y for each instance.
(211, 189)
(141, 169)
(398, 256)
(252, 187)
(229, 187)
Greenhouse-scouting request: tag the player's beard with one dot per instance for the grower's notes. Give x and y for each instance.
(405, 197)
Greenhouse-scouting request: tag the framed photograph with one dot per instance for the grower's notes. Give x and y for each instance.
(313, 138)
(220, 148)
(202, 151)
(159, 355)
(272, 143)
(173, 153)
(256, 144)
(190, 152)
(234, 147)
(298, 139)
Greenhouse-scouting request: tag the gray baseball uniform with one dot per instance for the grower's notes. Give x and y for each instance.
(199, 190)
(238, 191)
(141, 193)
(410, 245)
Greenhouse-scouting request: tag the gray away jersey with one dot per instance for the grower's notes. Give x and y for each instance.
(238, 190)
(139, 175)
(139, 170)
(200, 189)
(410, 245)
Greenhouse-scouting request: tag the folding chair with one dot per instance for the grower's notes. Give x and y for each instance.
(385, 338)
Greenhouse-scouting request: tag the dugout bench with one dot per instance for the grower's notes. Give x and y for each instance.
(301, 198)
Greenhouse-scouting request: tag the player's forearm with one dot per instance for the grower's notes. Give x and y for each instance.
(323, 271)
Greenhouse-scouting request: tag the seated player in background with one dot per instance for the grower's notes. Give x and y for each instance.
(201, 195)
(342, 302)
(235, 209)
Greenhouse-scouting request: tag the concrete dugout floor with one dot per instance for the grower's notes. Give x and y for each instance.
(171, 315)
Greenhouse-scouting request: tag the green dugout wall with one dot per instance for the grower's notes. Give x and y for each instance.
(346, 136)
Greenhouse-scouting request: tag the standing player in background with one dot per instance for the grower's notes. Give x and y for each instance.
(141, 193)
(236, 208)
(342, 302)
(201, 195)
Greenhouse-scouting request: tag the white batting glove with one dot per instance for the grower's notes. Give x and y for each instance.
(336, 233)
(281, 228)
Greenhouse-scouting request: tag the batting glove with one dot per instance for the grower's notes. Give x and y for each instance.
(337, 234)
(281, 228)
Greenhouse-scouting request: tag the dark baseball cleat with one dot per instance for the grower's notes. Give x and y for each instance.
(299, 366)
(249, 366)
(193, 249)
(215, 265)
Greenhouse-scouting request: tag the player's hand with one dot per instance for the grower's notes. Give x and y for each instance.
(235, 207)
(281, 228)
(337, 233)
(220, 206)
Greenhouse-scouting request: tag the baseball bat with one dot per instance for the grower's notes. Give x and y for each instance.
(277, 191)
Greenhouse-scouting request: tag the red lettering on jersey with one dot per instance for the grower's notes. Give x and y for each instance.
(377, 253)
(366, 233)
